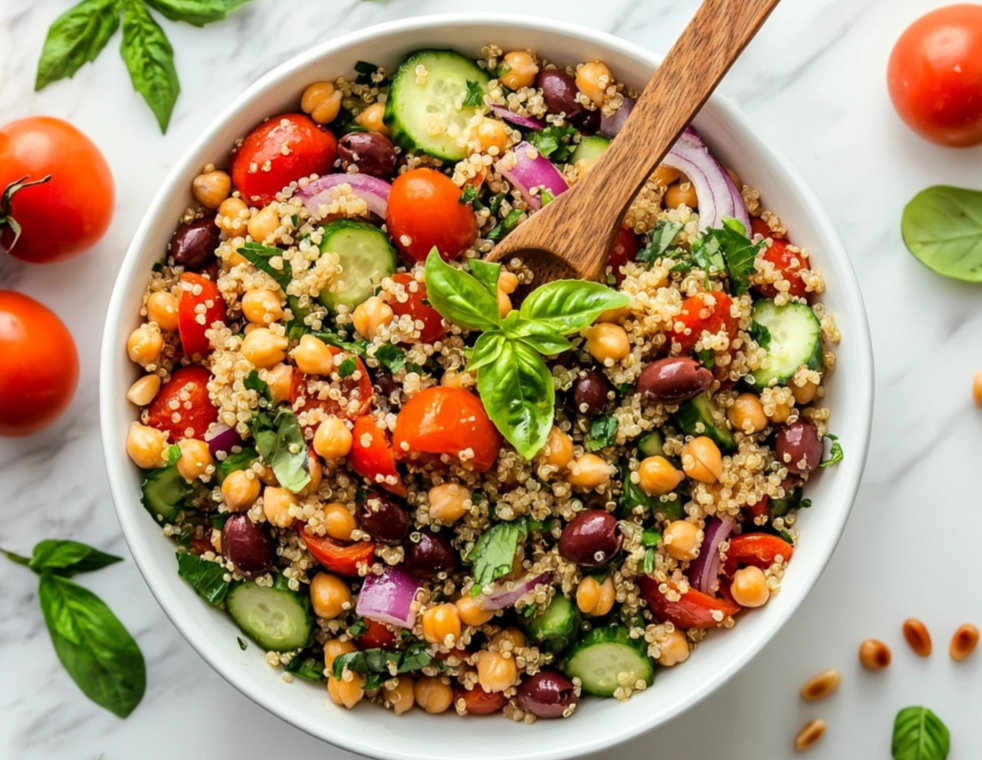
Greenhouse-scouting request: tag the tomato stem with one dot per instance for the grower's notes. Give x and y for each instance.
(6, 220)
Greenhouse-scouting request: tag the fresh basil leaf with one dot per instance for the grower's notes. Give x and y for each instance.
(650, 537)
(942, 227)
(391, 357)
(760, 335)
(93, 646)
(296, 327)
(919, 734)
(368, 661)
(603, 431)
(541, 337)
(648, 566)
(357, 627)
(506, 225)
(469, 196)
(259, 256)
(554, 143)
(486, 273)
(308, 668)
(519, 396)
(662, 238)
(475, 94)
(739, 253)
(67, 558)
(281, 442)
(195, 12)
(75, 38)
(347, 368)
(255, 383)
(707, 358)
(207, 578)
(835, 454)
(459, 297)
(359, 347)
(487, 350)
(567, 306)
(150, 59)
(493, 554)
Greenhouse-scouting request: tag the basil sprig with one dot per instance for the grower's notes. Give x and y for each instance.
(919, 734)
(94, 647)
(515, 384)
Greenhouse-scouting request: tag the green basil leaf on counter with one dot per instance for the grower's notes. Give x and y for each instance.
(260, 255)
(150, 59)
(196, 12)
(280, 440)
(568, 306)
(75, 38)
(919, 734)
(67, 558)
(95, 648)
(493, 554)
(486, 273)
(207, 578)
(458, 296)
(942, 227)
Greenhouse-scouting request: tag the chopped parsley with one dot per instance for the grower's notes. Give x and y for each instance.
(835, 454)
(475, 94)
(554, 143)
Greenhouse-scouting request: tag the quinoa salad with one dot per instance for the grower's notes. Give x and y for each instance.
(426, 480)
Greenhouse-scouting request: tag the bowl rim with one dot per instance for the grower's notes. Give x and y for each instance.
(110, 359)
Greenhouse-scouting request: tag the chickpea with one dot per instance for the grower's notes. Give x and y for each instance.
(472, 613)
(277, 503)
(211, 188)
(144, 390)
(233, 216)
(674, 651)
(781, 413)
(146, 446)
(448, 502)
(496, 672)
(262, 227)
(370, 315)
(267, 476)
(504, 303)
(803, 394)
(519, 70)
(371, 119)
(593, 79)
(749, 587)
(339, 521)
(145, 345)
(240, 489)
(433, 693)
(441, 625)
(607, 342)
(558, 451)
(454, 379)
(313, 357)
(334, 648)
(595, 598)
(332, 440)
(701, 460)
(681, 194)
(346, 692)
(507, 281)
(589, 471)
(316, 472)
(657, 476)
(491, 134)
(977, 389)
(195, 459)
(264, 348)
(329, 595)
(162, 309)
(262, 307)
(682, 540)
(400, 697)
(511, 636)
(279, 379)
(322, 100)
(666, 175)
(747, 413)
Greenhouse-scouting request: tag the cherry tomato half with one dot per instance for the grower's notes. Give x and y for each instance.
(477, 701)
(378, 636)
(279, 151)
(425, 212)
(69, 213)
(38, 365)
(188, 387)
(442, 420)
(704, 311)
(192, 322)
(757, 549)
(433, 327)
(624, 250)
(358, 391)
(337, 557)
(694, 610)
(371, 456)
(935, 76)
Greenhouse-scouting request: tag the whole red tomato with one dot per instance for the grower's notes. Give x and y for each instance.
(69, 213)
(935, 76)
(38, 365)
(425, 212)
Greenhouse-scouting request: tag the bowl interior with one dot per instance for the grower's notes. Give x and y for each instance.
(598, 724)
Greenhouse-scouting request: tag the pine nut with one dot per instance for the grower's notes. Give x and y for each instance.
(917, 636)
(809, 735)
(821, 686)
(964, 641)
(874, 654)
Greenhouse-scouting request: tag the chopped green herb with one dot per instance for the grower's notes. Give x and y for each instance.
(760, 335)
(243, 644)
(347, 368)
(494, 552)
(173, 453)
(365, 71)
(506, 225)
(707, 358)
(253, 382)
(391, 357)
(650, 537)
(260, 256)
(554, 143)
(475, 94)
(308, 668)
(603, 430)
(280, 440)
(357, 628)
(470, 196)
(414, 657)
(662, 239)
(206, 578)
(648, 567)
(835, 454)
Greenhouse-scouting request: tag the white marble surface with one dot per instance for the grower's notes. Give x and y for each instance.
(814, 84)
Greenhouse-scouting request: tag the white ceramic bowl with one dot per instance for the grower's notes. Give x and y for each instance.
(597, 724)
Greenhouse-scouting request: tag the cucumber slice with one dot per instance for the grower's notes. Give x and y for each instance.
(589, 149)
(652, 444)
(601, 657)
(556, 626)
(164, 493)
(796, 340)
(420, 103)
(275, 617)
(696, 417)
(366, 257)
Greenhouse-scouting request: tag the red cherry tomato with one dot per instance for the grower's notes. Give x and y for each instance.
(343, 559)
(371, 456)
(757, 549)
(192, 322)
(759, 509)
(694, 610)
(704, 311)
(378, 636)
(278, 152)
(442, 420)
(359, 391)
(477, 701)
(433, 328)
(623, 251)
(425, 211)
(935, 76)
(195, 413)
(69, 213)
(38, 365)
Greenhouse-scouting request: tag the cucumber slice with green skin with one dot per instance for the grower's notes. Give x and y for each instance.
(555, 627)
(417, 101)
(652, 444)
(275, 617)
(366, 257)
(696, 418)
(795, 341)
(164, 493)
(590, 148)
(603, 655)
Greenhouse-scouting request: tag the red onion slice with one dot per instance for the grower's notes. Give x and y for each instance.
(525, 122)
(703, 573)
(611, 125)
(372, 190)
(508, 593)
(528, 173)
(389, 597)
(221, 439)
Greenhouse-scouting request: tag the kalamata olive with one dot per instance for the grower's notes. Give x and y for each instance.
(559, 92)
(194, 243)
(371, 152)
(798, 447)
(247, 546)
(431, 555)
(587, 122)
(674, 380)
(383, 517)
(384, 382)
(547, 694)
(588, 394)
(591, 539)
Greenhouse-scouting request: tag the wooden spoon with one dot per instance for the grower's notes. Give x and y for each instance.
(571, 237)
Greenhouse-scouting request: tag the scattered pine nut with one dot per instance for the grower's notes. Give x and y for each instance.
(809, 735)
(964, 641)
(917, 636)
(821, 685)
(874, 654)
